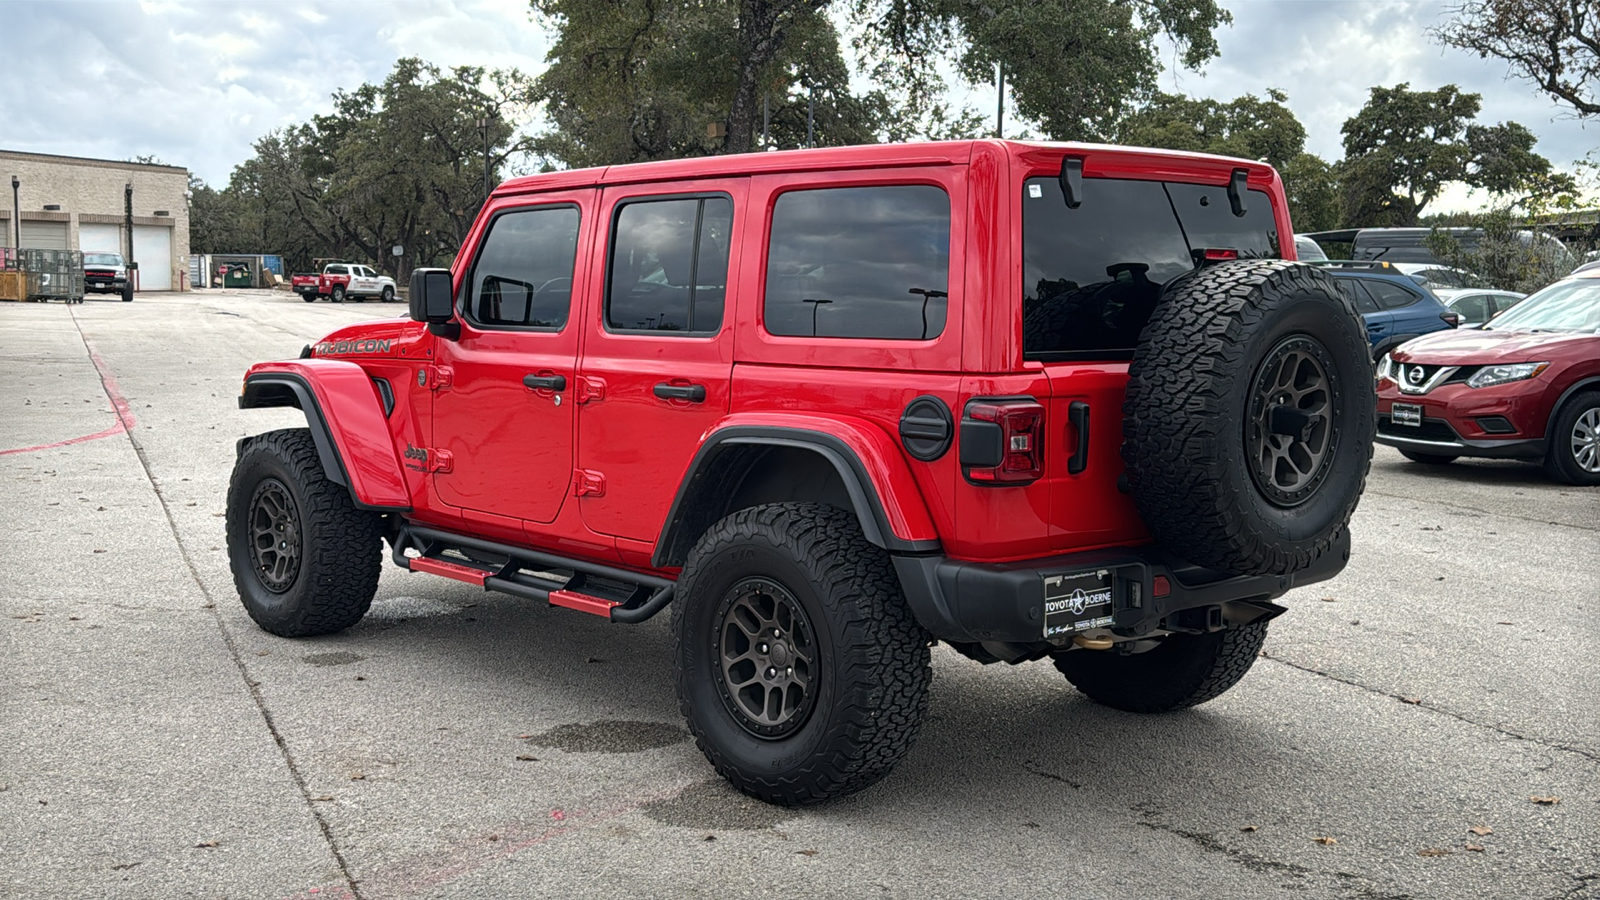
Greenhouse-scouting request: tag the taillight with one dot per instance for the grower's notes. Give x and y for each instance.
(1002, 441)
(1220, 254)
(1451, 319)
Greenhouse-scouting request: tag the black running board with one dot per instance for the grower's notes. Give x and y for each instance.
(527, 573)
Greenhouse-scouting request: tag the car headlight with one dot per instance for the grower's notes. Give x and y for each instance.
(1492, 375)
(1385, 368)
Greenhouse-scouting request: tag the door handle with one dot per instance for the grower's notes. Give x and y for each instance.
(1078, 416)
(545, 382)
(694, 393)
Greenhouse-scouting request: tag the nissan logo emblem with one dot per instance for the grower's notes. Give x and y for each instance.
(1416, 376)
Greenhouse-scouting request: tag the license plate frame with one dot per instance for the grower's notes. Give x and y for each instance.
(1077, 602)
(1407, 414)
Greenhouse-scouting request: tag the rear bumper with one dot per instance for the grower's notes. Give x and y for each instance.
(968, 602)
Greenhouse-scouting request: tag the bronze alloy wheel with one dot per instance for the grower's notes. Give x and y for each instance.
(1291, 428)
(767, 658)
(274, 536)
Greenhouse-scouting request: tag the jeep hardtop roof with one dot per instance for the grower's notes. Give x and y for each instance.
(1100, 160)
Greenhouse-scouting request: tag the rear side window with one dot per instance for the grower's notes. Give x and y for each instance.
(859, 262)
(1391, 296)
(1358, 295)
(1092, 275)
(523, 274)
(669, 265)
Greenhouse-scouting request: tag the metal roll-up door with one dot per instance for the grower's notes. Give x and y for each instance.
(96, 238)
(44, 235)
(152, 250)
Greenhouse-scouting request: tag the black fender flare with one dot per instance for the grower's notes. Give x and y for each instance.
(702, 489)
(1582, 384)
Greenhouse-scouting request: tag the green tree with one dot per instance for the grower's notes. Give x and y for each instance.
(1554, 44)
(1405, 146)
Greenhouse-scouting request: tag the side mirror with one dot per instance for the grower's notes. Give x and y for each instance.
(432, 300)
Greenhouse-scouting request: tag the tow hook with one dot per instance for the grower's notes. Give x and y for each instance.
(1092, 643)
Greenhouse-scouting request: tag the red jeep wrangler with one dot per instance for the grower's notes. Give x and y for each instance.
(1032, 400)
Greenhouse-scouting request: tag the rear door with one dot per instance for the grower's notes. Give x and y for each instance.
(658, 360)
(1091, 276)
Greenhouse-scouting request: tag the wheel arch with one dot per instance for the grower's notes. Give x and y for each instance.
(347, 423)
(1589, 383)
(739, 466)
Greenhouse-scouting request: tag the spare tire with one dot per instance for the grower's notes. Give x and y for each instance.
(1249, 417)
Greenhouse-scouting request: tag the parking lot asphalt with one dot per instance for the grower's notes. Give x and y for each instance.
(455, 743)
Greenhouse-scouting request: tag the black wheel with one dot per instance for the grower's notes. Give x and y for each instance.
(388, 294)
(1429, 459)
(127, 294)
(1574, 441)
(1249, 417)
(1181, 671)
(801, 671)
(304, 559)
(337, 294)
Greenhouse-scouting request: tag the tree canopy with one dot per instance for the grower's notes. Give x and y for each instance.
(1554, 44)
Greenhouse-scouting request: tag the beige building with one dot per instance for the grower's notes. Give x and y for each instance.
(69, 203)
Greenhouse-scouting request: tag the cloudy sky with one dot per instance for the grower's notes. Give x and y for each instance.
(195, 83)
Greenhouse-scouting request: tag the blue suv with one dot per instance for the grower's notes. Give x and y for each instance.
(1395, 306)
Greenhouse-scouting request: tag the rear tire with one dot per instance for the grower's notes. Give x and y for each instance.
(309, 298)
(304, 559)
(1183, 671)
(1429, 459)
(1249, 417)
(337, 294)
(801, 671)
(1574, 441)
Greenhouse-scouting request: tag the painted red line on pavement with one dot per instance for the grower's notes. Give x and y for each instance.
(119, 403)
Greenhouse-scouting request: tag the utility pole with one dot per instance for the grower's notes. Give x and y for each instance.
(766, 119)
(483, 125)
(811, 107)
(1000, 103)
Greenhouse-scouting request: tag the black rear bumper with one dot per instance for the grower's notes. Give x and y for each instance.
(969, 602)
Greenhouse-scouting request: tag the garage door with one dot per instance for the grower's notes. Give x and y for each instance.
(44, 235)
(152, 250)
(100, 239)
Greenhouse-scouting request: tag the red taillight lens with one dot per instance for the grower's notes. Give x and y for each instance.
(1020, 453)
(1220, 254)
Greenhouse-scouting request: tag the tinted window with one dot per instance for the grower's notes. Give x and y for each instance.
(336, 270)
(1365, 302)
(863, 262)
(1472, 307)
(523, 275)
(669, 265)
(1092, 275)
(1391, 296)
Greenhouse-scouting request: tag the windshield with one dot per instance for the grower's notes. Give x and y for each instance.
(1563, 306)
(102, 259)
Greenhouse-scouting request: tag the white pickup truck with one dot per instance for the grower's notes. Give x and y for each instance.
(341, 280)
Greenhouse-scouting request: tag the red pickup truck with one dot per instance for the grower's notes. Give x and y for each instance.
(341, 280)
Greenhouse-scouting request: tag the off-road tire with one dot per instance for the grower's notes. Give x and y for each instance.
(388, 294)
(1560, 461)
(1198, 386)
(1183, 671)
(1429, 459)
(872, 659)
(339, 549)
(337, 294)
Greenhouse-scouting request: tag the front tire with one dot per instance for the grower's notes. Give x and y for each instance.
(1429, 459)
(388, 294)
(1574, 441)
(1184, 670)
(801, 671)
(127, 294)
(304, 559)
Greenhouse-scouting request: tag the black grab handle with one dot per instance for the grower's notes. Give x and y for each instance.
(694, 393)
(545, 382)
(1078, 415)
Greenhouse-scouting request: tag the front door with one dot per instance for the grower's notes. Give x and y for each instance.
(503, 408)
(658, 360)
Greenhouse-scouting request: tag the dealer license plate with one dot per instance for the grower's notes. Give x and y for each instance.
(1406, 414)
(1077, 602)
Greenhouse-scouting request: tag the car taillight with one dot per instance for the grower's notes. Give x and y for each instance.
(1002, 441)
(1451, 319)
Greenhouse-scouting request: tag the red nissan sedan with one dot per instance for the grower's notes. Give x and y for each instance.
(1525, 386)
